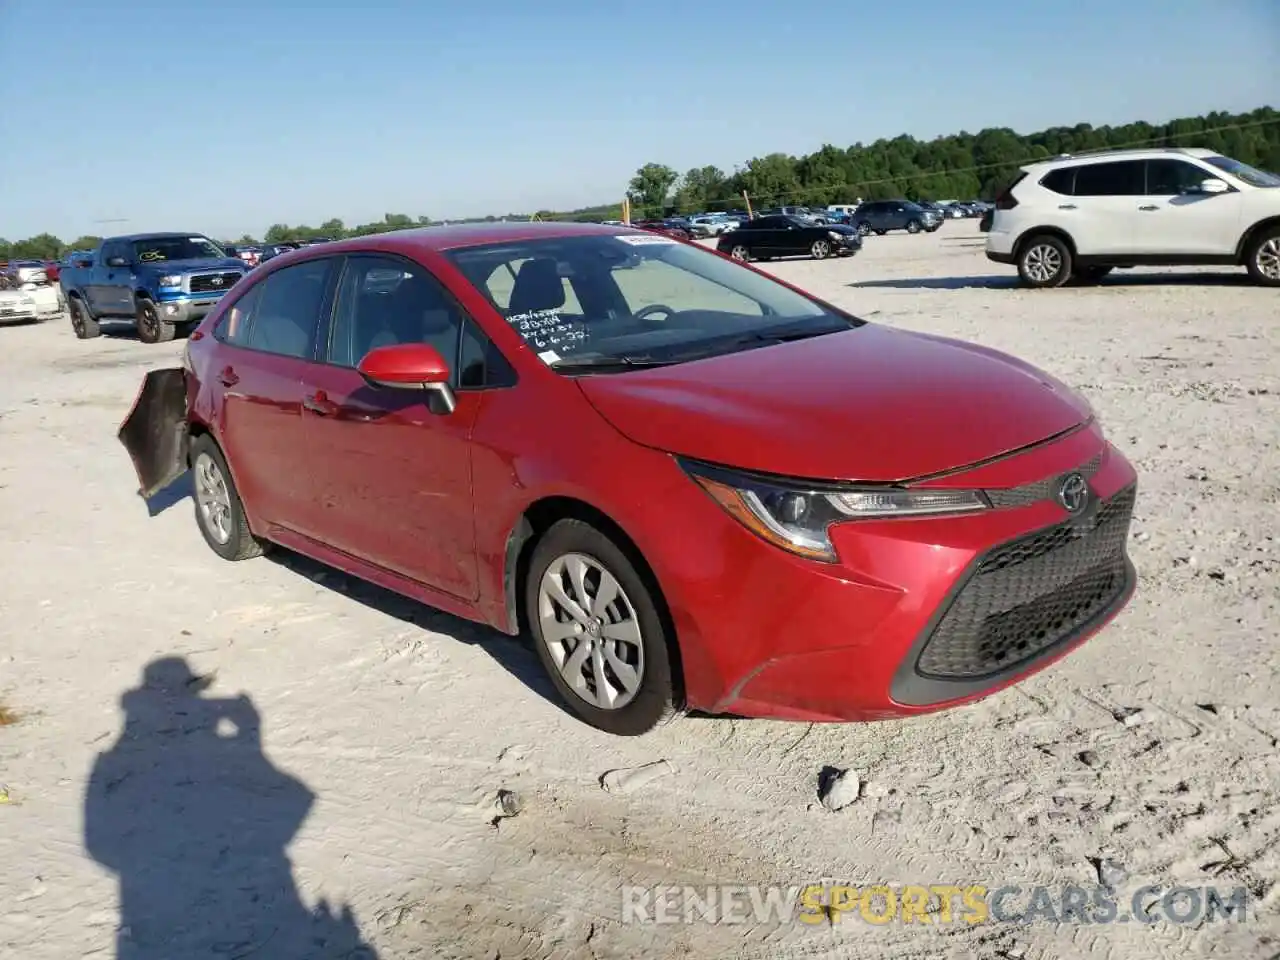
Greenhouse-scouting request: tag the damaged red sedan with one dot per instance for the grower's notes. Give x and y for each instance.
(694, 486)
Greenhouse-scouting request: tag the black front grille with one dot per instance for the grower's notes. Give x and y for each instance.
(1028, 595)
(213, 282)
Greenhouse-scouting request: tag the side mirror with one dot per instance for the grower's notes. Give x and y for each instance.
(409, 366)
(117, 262)
(1213, 185)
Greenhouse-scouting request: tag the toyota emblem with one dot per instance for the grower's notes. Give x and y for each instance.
(1073, 493)
(217, 281)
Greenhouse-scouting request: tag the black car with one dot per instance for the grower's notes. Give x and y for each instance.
(882, 216)
(781, 235)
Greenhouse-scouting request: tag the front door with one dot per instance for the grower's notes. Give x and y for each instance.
(1175, 219)
(391, 478)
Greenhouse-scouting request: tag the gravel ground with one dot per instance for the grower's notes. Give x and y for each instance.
(1150, 755)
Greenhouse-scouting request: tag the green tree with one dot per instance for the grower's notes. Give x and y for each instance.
(650, 187)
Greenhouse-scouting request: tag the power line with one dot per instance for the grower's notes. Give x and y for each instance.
(1010, 163)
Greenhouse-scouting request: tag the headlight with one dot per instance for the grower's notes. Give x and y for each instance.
(837, 237)
(796, 515)
(172, 280)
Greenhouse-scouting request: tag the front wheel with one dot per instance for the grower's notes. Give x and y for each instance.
(820, 250)
(1263, 257)
(740, 253)
(151, 329)
(1045, 261)
(84, 326)
(219, 511)
(598, 632)
(913, 226)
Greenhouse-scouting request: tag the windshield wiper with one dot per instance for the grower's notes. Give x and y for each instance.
(598, 363)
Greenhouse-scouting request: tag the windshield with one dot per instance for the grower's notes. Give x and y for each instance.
(157, 249)
(633, 298)
(1242, 171)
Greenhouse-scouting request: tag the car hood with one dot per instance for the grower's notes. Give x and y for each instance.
(871, 404)
(191, 266)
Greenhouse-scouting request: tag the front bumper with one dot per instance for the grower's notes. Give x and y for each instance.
(187, 307)
(917, 616)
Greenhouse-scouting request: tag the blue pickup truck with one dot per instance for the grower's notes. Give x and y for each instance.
(160, 281)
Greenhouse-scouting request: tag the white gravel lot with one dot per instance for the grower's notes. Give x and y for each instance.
(1154, 746)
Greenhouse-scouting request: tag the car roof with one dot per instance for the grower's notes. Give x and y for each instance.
(1136, 153)
(438, 239)
(156, 235)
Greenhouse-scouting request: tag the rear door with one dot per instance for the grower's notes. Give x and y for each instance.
(391, 473)
(1175, 219)
(105, 283)
(1102, 211)
(767, 236)
(267, 342)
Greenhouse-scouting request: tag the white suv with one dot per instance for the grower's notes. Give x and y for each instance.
(1078, 217)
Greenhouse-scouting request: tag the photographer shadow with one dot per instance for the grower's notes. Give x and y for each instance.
(194, 820)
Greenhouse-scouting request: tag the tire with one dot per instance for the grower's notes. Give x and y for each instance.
(864, 229)
(740, 253)
(881, 233)
(820, 250)
(1263, 257)
(215, 496)
(913, 226)
(151, 329)
(82, 324)
(572, 547)
(1044, 261)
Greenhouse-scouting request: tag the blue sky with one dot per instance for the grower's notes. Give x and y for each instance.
(227, 117)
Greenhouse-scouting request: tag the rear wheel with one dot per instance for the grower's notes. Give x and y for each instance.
(820, 250)
(84, 326)
(219, 511)
(597, 631)
(1045, 261)
(151, 329)
(1263, 257)
(740, 253)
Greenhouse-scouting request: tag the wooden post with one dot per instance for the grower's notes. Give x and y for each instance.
(626, 210)
(748, 201)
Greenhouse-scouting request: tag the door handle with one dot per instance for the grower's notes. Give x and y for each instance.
(228, 377)
(320, 404)
(1148, 206)
(1066, 206)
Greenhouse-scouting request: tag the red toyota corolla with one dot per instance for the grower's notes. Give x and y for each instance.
(694, 486)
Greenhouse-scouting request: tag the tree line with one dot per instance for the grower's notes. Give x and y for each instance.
(961, 166)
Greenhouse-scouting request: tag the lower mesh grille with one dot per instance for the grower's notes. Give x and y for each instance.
(1030, 594)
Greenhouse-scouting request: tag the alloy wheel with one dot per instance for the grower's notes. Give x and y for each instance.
(590, 629)
(1267, 259)
(213, 499)
(820, 249)
(1042, 262)
(740, 253)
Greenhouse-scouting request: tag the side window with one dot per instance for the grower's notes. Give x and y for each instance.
(1169, 178)
(1123, 178)
(1062, 181)
(480, 363)
(287, 311)
(233, 328)
(384, 301)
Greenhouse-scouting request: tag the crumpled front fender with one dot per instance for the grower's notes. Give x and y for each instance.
(155, 432)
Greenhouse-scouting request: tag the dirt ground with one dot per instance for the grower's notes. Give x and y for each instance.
(385, 727)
